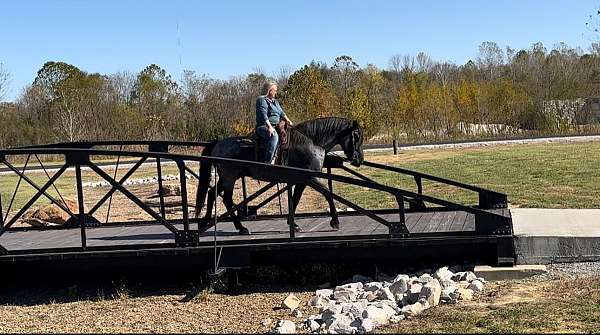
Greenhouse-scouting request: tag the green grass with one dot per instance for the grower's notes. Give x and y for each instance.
(563, 306)
(540, 176)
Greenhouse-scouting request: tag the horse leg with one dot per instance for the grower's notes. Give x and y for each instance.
(335, 222)
(297, 194)
(210, 202)
(228, 201)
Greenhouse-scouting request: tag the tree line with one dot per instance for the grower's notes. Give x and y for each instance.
(502, 92)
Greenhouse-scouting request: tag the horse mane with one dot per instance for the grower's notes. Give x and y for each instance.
(318, 131)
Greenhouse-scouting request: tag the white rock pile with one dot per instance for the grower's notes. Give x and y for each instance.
(362, 304)
(138, 181)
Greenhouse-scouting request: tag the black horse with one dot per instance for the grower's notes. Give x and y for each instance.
(308, 144)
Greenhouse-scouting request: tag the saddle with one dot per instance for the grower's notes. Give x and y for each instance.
(252, 140)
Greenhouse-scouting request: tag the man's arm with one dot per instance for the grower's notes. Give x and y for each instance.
(261, 112)
(284, 116)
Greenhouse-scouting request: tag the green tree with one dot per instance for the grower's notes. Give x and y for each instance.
(307, 94)
(154, 94)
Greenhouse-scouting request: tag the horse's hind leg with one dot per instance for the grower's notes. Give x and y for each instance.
(319, 187)
(210, 202)
(228, 201)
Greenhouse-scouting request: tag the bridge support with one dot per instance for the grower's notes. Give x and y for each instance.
(505, 251)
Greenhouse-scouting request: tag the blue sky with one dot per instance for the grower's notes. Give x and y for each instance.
(226, 38)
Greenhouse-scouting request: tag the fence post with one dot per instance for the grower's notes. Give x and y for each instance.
(160, 189)
(81, 215)
(291, 211)
(184, 204)
(395, 144)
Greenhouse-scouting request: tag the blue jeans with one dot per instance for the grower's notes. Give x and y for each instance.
(271, 142)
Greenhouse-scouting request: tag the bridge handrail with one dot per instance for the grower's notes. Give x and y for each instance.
(274, 173)
(487, 198)
(299, 173)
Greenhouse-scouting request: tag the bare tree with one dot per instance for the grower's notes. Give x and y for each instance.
(490, 58)
(4, 81)
(123, 84)
(424, 62)
(282, 76)
(443, 72)
(395, 63)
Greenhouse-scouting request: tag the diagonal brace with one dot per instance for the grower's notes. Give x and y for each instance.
(133, 198)
(120, 182)
(31, 201)
(34, 185)
(319, 188)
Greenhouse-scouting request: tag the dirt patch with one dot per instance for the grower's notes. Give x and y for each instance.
(169, 313)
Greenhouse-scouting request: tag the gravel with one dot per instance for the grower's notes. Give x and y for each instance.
(573, 270)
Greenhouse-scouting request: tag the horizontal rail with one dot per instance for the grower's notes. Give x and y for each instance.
(487, 198)
(426, 176)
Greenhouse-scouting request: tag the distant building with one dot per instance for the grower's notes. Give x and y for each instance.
(580, 111)
(590, 112)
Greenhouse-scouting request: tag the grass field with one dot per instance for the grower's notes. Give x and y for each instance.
(528, 306)
(533, 175)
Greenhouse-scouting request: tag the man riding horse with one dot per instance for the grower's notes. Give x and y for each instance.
(307, 146)
(268, 115)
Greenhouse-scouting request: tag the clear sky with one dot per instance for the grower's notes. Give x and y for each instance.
(226, 38)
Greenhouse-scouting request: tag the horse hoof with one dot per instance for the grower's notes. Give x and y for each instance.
(297, 229)
(335, 224)
(244, 231)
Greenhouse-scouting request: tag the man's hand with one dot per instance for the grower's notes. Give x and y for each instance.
(271, 130)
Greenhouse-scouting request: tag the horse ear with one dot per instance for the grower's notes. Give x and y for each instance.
(354, 124)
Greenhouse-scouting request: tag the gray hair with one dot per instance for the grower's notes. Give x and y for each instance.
(267, 87)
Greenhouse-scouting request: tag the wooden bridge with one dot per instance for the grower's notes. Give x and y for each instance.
(419, 227)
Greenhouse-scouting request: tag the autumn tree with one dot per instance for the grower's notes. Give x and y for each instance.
(307, 94)
(154, 94)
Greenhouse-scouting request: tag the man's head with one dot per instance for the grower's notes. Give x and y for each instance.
(270, 89)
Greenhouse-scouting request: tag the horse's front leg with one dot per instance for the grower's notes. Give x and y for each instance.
(297, 194)
(319, 187)
(228, 201)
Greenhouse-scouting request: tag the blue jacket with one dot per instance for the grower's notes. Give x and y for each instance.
(268, 111)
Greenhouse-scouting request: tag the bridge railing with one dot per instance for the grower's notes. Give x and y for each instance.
(76, 158)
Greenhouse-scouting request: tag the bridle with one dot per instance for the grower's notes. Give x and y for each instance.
(354, 134)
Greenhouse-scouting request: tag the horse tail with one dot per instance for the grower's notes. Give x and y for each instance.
(204, 178)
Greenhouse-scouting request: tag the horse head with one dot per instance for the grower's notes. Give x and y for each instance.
(352, 142)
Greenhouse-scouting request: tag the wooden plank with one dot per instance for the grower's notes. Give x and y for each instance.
(458, 221)
(469, 223)
(423, 223)
(434, 222)
(416, 222)
(446, 222)
(411, 221)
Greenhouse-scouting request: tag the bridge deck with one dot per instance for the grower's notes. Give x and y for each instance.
(418, 224)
